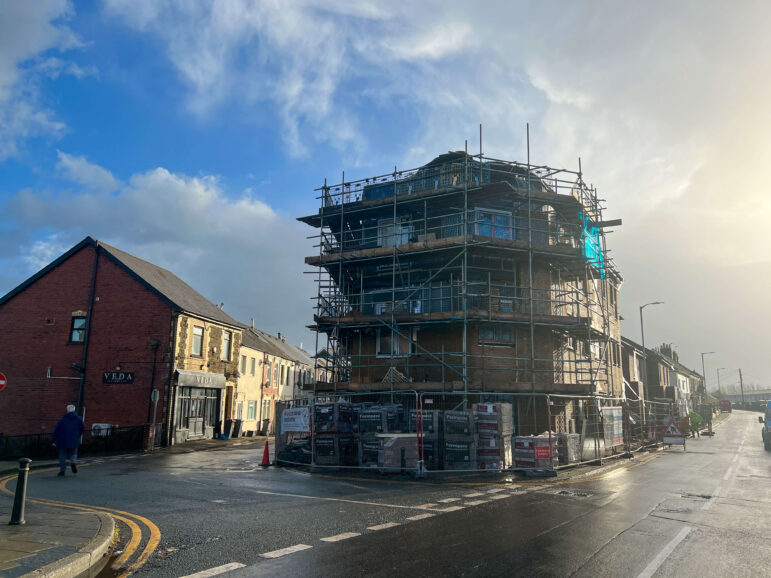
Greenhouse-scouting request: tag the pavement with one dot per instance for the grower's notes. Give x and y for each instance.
(53, 542)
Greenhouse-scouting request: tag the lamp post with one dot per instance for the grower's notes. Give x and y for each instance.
(718, 377)
(642, 336)
(703, 373)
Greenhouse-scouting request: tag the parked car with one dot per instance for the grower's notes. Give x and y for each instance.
(766, 421)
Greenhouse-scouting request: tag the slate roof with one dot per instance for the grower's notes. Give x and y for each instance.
(162, 282)
(263, 341)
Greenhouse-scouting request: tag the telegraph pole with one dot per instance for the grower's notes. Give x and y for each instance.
(741, 384)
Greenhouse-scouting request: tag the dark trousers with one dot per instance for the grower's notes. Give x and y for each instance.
(67, 454)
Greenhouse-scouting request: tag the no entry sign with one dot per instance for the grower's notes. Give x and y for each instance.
(3, 381)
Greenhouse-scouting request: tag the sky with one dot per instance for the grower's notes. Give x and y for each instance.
(192, 134)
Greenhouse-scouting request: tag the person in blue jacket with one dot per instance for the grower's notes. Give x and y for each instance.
(67, 437)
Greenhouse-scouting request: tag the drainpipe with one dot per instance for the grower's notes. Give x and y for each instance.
(170, 387)
(87, 338)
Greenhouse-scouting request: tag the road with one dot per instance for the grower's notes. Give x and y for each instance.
(703, 512)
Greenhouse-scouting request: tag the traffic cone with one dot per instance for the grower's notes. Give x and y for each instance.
(265, 456)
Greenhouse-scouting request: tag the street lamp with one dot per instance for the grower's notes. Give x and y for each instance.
(703, 373)
(642, 335)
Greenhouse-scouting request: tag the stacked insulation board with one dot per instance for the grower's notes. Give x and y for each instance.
(494, 429)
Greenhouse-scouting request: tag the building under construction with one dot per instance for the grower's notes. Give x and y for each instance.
(468, 274)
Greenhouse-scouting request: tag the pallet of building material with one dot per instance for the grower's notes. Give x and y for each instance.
(535, 452)
(369, 451)
(394, 416)
(431, 421)
(333, 417)
(494, 418)
(568, 448)
(459, 423)
(432, 453)
(459, 455)
(398, 453)
(494, 452)
(335, 450)
(373, 420)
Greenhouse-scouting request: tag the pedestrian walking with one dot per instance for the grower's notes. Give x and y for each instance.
(67, 435)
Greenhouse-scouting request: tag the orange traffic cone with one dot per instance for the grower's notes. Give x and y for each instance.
(265, 456)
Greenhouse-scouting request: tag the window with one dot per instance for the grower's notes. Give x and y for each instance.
(227, 336)
(266, 409)
(252, 366)
(251, 410)
(275, 373)
(197, 340)
(388, 346)
(78, 329)
(388, 235)
(499, 334)
(495, 224)
(240, 410)
(243, 365)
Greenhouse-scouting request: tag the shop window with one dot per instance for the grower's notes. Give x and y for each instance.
(197, 340)
(227, 337)
(78, 329)
(251, 410)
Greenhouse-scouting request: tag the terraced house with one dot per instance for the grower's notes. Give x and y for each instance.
(467, 274)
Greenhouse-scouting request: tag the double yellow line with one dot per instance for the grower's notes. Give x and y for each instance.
(135, 523)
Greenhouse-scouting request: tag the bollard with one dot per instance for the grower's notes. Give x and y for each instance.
(17, 516)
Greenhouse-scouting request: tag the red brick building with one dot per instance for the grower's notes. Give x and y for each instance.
(101, 329)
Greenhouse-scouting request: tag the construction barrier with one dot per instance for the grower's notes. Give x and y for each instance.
(425, 433)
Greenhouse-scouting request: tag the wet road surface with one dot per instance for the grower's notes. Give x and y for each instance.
(703, 512)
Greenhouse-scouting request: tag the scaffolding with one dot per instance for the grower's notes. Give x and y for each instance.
(469, 273)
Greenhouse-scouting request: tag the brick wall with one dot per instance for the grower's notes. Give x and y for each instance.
(36, 335)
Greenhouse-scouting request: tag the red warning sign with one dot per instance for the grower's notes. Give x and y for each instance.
(3, 381)
(672, 430)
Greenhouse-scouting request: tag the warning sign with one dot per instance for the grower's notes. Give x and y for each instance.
(542, 452)
(673, 430)
(673, 435)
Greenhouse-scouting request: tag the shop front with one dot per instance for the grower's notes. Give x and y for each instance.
(199, 401)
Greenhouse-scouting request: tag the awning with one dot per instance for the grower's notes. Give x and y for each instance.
(188, 378)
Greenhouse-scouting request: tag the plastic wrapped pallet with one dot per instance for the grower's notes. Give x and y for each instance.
(494, 418)
(399, 453)
(335, 449)
(458, 424)
(494, 452)
(373, 420)
(459, 455)
(431, 421)
(431, 453)
(333, 417)
(535, 452)
(568, 447)
(369, 451)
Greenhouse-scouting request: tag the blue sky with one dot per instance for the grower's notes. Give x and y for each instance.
(193, 133)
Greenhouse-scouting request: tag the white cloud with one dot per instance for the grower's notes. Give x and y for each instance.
(78, 170)
(235, 250)
(28, 29)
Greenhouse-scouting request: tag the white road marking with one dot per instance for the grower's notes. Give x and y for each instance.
(326, 499)
(728, 473)
(473, 495)
(343, 536)
(383, 526)
(651, 568)
(711, 501)
(285, 551)
(216, 571)
(496, 490)
(498, 497)
(420, 517)
(476, 502)
(425, 506)
(450, 509)
(448, 500)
